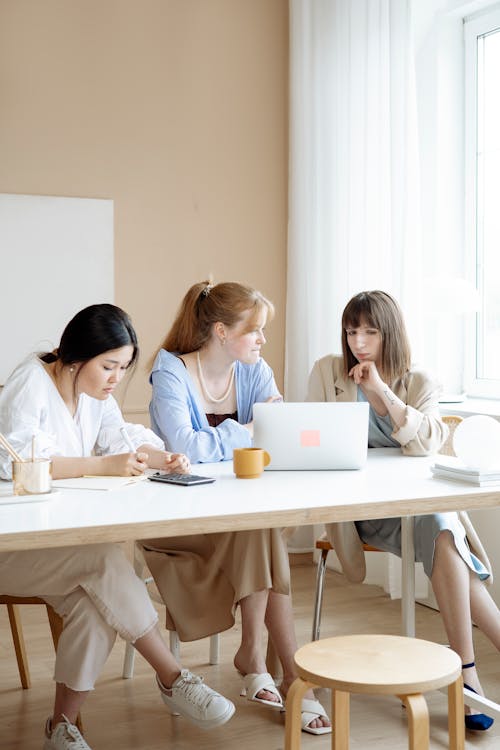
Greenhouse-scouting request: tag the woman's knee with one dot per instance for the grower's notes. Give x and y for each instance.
(444, 541)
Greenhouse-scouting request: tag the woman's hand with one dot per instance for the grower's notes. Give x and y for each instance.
(166, 461)
(366, 375)
(176, 463)
(125, 464)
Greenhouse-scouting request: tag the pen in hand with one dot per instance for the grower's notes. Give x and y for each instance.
(127, 439)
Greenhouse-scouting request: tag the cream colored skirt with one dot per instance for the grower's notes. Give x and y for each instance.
(202, 578)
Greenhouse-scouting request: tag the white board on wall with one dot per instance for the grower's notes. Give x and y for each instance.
(56, 257)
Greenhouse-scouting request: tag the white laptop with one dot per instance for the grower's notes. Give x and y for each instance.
(312, 435)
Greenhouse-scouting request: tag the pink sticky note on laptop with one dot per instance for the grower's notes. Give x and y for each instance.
(310, 438)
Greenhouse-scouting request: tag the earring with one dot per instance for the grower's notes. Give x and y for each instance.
(71, 369)
(223, 341)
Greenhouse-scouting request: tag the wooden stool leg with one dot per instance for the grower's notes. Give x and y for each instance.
(16, 629)
(456, 725)
(56, 628)
(418, 721)
(293, 726)
(340, 720)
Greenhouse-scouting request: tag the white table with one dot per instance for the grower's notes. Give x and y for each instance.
(390, 485)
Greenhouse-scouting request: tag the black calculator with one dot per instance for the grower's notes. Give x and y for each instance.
(186, 480)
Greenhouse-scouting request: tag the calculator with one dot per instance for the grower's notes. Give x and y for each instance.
(185, 480)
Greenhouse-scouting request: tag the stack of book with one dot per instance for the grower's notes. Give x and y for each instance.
(450, 467)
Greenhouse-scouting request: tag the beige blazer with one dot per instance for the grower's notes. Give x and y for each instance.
(421, 434)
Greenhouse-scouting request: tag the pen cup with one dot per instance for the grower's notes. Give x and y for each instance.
(32, 477)
(249, 463)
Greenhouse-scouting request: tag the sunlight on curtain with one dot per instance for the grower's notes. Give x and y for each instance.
(353, 185)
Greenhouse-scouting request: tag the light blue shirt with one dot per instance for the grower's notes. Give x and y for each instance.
(177, 414)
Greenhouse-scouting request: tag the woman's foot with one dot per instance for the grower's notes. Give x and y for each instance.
(321, 722)
(252, 663)
(474, 719)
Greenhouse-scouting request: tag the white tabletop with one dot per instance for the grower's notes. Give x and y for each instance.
(390, 485)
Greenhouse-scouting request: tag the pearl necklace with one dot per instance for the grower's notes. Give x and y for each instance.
(204, 388)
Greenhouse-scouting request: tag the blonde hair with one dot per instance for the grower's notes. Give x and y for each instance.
(381, 311)
(205, 304)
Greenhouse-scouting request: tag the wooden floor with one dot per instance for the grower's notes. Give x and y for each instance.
(129, 715)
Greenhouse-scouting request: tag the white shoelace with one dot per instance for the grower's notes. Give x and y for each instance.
(194, 690)
(73, 739)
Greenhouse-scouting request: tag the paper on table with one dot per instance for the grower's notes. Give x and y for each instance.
(97, 482)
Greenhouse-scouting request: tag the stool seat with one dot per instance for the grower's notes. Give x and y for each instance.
(378, 664)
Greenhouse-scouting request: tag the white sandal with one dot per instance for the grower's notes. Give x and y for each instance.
(255, 683)
(313, 710)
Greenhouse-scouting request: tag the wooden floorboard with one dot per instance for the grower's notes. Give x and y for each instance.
(129, 714)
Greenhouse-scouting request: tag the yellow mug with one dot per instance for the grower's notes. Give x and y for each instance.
(248, 463)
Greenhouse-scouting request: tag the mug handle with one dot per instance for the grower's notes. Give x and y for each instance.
(267, 458)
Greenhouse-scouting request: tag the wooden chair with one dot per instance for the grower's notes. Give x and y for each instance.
(452, 421)
(378, 665)
(55, 622)
(56, 627)
(325, 546)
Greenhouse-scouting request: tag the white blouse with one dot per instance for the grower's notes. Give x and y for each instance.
(31, 405)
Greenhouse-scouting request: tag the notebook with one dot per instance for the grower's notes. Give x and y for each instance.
(312, 435)
(450, 467)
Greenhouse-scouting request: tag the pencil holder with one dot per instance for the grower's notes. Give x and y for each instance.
(32, 477)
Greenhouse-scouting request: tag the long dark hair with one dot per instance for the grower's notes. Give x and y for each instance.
(94, 330)
(379, 310)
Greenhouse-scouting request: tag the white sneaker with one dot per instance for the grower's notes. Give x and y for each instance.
(64, 736)
(191, 698)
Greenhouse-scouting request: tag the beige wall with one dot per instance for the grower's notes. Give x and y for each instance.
(175, 109)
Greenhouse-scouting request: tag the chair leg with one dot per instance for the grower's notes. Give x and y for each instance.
(214, 649)
(340, 720)
(456, 727)
(19, 645)
(128, 662)
(318, 601)
(418, 721)
(174, 644)
(293, 724)
(56, 625)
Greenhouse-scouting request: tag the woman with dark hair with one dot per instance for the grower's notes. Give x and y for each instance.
(206, 377)
(64, 399)
(375, 366)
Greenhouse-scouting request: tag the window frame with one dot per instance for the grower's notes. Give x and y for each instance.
(475, 26)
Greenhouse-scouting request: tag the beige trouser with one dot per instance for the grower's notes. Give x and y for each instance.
(202, 577)
(95, 590)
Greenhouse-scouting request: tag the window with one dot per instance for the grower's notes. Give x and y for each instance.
(482, 154)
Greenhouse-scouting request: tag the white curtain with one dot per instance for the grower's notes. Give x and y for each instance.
(353, 179)
(353, 184)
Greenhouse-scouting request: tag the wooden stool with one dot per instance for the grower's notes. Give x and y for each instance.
(378, 664)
